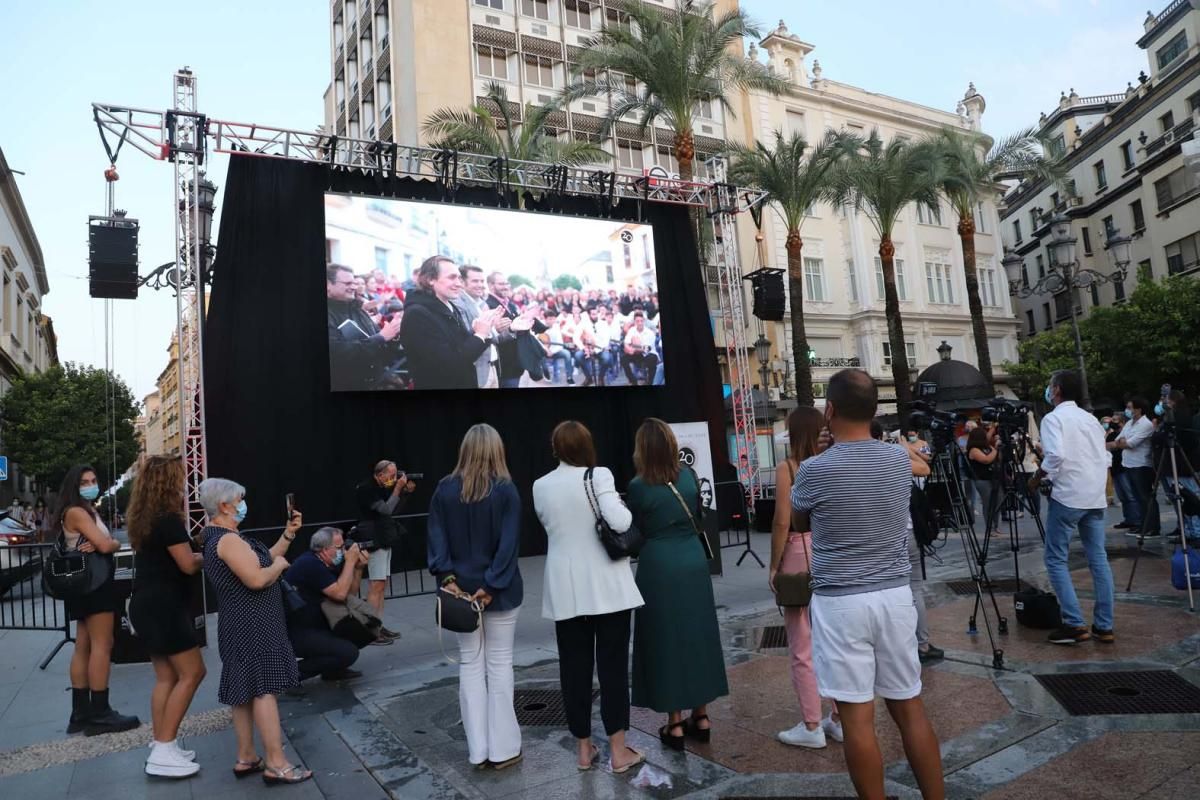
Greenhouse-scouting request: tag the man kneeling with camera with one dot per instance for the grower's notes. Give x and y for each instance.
(332, 623)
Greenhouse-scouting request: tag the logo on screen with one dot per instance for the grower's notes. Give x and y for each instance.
(626, 237)
(687, 457)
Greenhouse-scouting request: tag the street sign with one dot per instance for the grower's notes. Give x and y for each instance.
(3, 468)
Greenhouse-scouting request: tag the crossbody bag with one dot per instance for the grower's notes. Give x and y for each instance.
(708, 551)
(794, 589)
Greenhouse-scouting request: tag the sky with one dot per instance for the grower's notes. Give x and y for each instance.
(267, 61)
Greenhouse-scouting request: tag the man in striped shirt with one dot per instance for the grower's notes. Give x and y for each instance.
(854, 498)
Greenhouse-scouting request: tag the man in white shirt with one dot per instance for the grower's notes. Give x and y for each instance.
(1138, 467)
(639, 351)
(1077, 462)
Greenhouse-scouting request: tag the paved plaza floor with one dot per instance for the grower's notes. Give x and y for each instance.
(396, 733)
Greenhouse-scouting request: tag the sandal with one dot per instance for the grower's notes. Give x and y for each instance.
(292, 774)
(694, 731)
(640, 759)
(595, 757)
(251, 767)
(673, 742)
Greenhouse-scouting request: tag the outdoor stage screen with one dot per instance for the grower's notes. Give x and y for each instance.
(438, 296)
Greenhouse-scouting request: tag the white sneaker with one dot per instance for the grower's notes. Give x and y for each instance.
(833, 729)
(801, 736)
(190, 755)
(166, 761)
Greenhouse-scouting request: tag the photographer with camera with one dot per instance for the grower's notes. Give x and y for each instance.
(379, 498)
(1076, 461)
(358, 348)
(1137, 466)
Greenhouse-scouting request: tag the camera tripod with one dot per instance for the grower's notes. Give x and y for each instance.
(945, 488)
(1014, 499)
(1168, 457)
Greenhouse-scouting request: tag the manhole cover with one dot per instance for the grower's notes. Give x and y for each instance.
(541, 707)
(1003, 585)
(773, 637)
(1151, 692)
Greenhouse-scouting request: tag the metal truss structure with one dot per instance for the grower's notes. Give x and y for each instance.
(182, 136)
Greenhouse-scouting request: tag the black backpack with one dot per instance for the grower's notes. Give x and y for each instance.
(1037, 609)
(924, 518)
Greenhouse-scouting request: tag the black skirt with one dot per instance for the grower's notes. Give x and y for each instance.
(160, 620)
(104, 600)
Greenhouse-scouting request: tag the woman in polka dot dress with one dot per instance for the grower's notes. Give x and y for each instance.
(257, 661)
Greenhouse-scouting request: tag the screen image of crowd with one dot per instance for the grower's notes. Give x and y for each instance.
(494, 299)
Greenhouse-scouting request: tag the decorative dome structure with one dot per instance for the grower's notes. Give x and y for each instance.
(960, 386)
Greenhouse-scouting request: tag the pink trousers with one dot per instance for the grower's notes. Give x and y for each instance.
(799, 632)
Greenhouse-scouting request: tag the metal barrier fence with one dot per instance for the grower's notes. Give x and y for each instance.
(23, 604)
(734, 518)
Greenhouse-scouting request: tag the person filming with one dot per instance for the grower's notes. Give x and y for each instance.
(380, 497)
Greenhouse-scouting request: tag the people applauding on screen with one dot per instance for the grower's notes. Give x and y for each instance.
(359, 349)
(640, 355)
(440, 346)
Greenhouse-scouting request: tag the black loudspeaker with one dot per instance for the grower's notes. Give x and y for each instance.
(112, 257)
(769, 298)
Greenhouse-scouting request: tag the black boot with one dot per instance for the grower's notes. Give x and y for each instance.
(81, 709)
(105, 719)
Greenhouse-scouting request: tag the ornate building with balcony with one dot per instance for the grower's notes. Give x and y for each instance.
(1129, 174)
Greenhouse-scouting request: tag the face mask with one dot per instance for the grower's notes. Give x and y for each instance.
(1158, 409)
(338, 558)
(1106, 426)
(1128, 414)
(240, 513)
(912, 439)
(1049, 397)
(388, 484)
(89, 492)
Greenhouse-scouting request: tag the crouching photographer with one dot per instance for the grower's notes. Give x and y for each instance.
(327, 621)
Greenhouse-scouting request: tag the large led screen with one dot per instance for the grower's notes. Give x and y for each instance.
(439, 296)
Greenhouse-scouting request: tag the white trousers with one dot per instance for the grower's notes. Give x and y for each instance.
(485, 689)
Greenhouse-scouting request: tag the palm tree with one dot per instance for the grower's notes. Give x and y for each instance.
(969, 173)
(490, 128)
(881, 180)
(795, 176)
(682, 60)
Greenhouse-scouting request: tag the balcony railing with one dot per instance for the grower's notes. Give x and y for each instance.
(385, 131)
(1166, 12)
(1179, 133)
(852, 361)
(385, 56)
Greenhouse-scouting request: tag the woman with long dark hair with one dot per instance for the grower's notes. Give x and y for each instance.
(474, 535)
(677, 659)
(95, 614)
(982, 457)
(164, 560)
(791, 551)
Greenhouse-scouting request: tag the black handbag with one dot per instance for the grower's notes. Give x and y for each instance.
(293, 601)
(794, 589)
(68, 573)
(618, 544)
(457, 613)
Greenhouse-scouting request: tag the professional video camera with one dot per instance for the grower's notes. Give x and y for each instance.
(1008, 413)
(940, 424)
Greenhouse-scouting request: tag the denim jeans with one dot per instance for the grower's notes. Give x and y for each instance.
(1061, 521)
(1124, 495)
(1191, 525)
(1140, 482)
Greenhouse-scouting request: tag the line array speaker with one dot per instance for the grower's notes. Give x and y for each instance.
(112, 258)
(769, 298)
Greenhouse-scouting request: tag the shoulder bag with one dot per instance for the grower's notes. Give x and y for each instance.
(618, 545)
(457, 613)
(794, 589)
(68, 573)
(708, 551)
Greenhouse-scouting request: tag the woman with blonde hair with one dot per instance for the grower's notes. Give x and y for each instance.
(791, 552)
(474, 536)
(677, 659)
(164, 560)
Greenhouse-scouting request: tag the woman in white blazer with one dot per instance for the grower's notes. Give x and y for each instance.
(589, 596)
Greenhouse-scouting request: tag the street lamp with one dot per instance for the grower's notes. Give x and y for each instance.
(762, 349)
(1066, 275)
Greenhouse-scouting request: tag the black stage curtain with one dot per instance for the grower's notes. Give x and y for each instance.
(275, 426)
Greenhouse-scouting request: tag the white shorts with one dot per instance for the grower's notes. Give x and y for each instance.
(379, 564)
(866, 645)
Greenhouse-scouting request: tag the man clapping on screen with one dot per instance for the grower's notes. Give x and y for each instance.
(358, 348)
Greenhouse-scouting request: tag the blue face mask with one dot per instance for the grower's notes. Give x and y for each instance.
(1106, 426)
(1128, 414)
(338, 558)
(1158, 409)
(89, 493)
(240, 514)
(1049, 397)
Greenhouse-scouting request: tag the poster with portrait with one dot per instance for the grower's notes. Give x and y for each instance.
(694, 452)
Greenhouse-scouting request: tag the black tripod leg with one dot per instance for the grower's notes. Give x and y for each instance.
(1158, 470)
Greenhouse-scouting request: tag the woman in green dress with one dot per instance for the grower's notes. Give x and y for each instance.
(677, 659)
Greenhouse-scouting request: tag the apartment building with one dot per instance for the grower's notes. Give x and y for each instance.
(843, 276)
(27, 340)
(1129, 173)
(154, 433)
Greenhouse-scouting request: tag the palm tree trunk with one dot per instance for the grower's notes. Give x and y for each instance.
(966, 234)
(685, 153)
(900, 376)
(804, 389)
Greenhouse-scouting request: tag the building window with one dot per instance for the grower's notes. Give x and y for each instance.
(939, 281)
(1095, 294)
(901, 282)
(629, 154)
(1058, 145)
(1118, 291)
(492, 62)
(987, 287)
(1175, 187)
(381, 259)
(1193, 102)
(795, 123)
(929, 216)
(1183, 254)
(1041, 265)
(1047, 315)
(536, 8)
(1087, 241)
(496, 4)
(616, 18)
(910, 353)
(579, 14)
(1172, 49)
(1127, 154)
(1166, 122)
(980, 218)
(664, 159)
(539, 71)
(814, 280)
(1032, 323)
(1017, 231)
(853, 281)
(1101, 177)
(1033, 219)
(1144, 271)
(1139, 216)
(1109, 229)
(1024, 274)
(704, 109)
(1062, 305)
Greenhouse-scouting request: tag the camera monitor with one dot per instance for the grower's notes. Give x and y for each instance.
(438, 296)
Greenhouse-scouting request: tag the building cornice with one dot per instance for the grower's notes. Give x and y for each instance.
(24, 227)
(1163, 21)
(866, 109)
